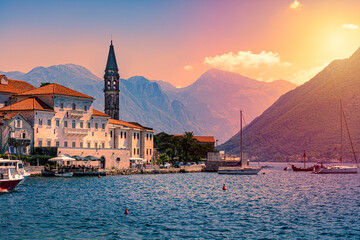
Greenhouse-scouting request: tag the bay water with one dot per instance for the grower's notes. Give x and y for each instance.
(275, 204)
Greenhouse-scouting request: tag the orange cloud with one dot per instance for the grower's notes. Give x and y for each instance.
(188, 68)
(350, 26)
(244, 59)
(296, 5)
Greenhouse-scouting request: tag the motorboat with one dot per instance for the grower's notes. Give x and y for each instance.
(19, 167)
(9, 178)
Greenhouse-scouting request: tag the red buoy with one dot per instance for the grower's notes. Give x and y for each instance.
(99, 176)
(126, 211)
(224, 188)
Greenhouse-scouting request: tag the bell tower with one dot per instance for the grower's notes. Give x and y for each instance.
(111, 85)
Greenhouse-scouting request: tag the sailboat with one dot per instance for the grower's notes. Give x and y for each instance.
(321, 169)
(304, 169)
(239, 168)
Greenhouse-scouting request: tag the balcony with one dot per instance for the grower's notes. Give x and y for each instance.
(19, 142)
(76, 131)
(75, 113)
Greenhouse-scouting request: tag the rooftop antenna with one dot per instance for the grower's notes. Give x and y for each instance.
(111, 38)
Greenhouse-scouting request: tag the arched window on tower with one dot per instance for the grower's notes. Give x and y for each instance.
(73, 106)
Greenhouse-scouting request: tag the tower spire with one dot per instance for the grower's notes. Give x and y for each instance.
(111, 85)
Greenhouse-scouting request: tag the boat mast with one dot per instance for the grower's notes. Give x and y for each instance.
(341, 140)
(241, 137)
(304, 159)
(352, 146)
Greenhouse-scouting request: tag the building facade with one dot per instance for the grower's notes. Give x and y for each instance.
(60, 119)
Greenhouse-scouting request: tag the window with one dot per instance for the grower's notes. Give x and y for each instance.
(92, 133)
(150, 136)
(88, 144)
(138, 150)
(96, 125)
(24, 135)
(118, 160)
(18, 123)
(40, 121)
(62, 105)
(12, 134)
(85, 108)
(81, 125)
(57, 122)
(65, 123)
(103, 126)
(147, 136)
(134, 135)
(89, 125)
(102, 145)
(124, 134)
(147, 151)
(57, 144)
(138, 135)
(65, 144)
(48, 143)
(110, 133)
(40, 143)
(37, 130)
(81, 145)
(73, 106)
(73, 124)
(95, 145)
(73, 144)
(49, 122)
(121, 134)
(134, 150)
(150, 151)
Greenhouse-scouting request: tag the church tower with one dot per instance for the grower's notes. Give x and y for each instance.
(111, 87)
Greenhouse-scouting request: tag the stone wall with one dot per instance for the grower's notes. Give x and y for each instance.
(114, 158)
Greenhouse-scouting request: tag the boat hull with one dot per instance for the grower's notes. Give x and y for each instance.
(299, 169)
(238, 171)
(7, 185)
(335, 170)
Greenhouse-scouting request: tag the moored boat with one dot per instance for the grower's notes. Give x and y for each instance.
(9, 178)
(302, 169)
(239, 168)
(340, 169)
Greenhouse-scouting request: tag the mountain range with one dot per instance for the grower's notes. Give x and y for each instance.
(308, 117)
(209, 106)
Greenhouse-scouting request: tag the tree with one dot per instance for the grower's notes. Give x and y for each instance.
(44, 84)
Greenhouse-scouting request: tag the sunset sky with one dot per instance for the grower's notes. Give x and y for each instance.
(176, 41)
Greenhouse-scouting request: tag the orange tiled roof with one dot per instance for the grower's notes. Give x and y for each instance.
(203, 139)
(98, 113)
(123, 123)
(21, 85)
(32, 103)
(55, 88)
(10, 115)
(16, 86)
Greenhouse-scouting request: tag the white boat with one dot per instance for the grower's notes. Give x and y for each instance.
(9, 178)
(239, 168)
(334, 169)
(340, 169)
(19, 167)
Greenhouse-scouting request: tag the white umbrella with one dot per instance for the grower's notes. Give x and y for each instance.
(62, 158)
